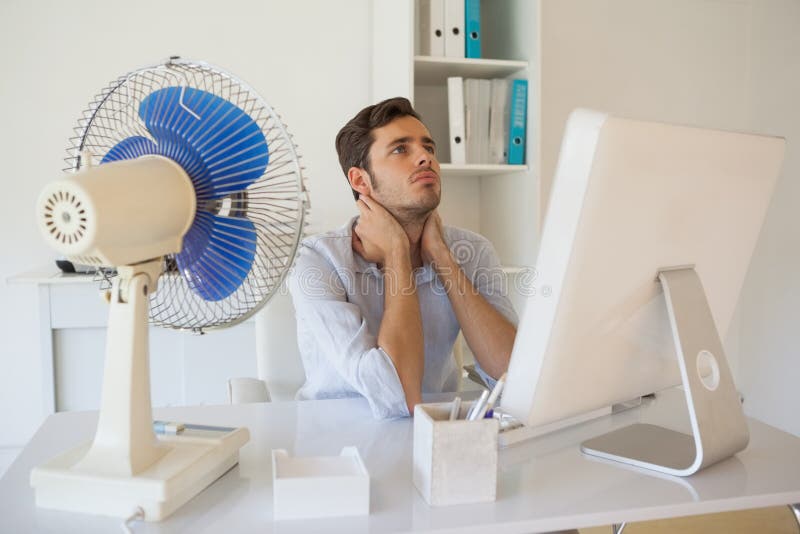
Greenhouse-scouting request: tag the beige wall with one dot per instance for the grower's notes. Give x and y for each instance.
(769, 370)
(681, 61)
(730, 64)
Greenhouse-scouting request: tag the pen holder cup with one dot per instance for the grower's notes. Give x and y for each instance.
(455, 462)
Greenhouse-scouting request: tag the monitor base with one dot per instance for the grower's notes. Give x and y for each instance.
(719, 429)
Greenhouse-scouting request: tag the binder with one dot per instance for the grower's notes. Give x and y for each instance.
(517, 122)
(471, 99)
(454, 28)
(477, 94)
(431, 27)
(472, 28)
(498, 121)
(455, 113)
(484, 102)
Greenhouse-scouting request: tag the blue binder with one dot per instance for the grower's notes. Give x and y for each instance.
(472, 26)
(518, 121)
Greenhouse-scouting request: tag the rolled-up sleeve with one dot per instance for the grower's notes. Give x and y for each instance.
(332, 330)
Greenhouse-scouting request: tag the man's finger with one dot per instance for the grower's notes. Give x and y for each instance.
(365, 200)
(357, 244)
(375, 206)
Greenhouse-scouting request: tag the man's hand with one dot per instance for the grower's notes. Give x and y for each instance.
(434, 249)
(378, 237)
(490, 335)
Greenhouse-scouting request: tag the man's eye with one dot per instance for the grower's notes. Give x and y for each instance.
(431, 149)
(399, 149)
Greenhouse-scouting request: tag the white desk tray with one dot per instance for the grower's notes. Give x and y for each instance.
(319, 486)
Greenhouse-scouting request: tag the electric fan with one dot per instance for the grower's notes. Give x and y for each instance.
(197, 191)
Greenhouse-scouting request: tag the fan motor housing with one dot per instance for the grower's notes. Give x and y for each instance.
(118, 213)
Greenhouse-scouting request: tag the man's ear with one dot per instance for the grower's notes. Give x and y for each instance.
(360, 180)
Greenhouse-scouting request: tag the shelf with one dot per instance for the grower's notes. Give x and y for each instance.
(435, 70)
(474, 169)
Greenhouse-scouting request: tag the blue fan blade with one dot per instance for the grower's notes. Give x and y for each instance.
(217, 255)
(224, 148)
(130, 148)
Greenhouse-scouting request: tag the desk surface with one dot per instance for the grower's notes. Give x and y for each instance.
(544, 484)
(53, 277)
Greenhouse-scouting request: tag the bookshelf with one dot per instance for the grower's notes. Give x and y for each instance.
(500, 202)
(474, 169)
(435, 70)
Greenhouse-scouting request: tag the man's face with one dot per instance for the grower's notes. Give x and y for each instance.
(405, 171)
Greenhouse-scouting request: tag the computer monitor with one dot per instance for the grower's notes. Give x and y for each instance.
(645, 246)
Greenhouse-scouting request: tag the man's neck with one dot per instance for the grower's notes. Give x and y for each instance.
(413, 230)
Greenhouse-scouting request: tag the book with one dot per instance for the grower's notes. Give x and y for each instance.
(472, 28)
(454, 28)
(456, 123)
(431, 27)
(518, 114)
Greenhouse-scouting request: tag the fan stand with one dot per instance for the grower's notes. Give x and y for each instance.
(126, 467)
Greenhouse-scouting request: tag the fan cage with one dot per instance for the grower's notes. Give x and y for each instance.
(277, 203)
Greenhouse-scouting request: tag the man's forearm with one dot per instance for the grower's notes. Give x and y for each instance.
(489, 334)
(400, 334)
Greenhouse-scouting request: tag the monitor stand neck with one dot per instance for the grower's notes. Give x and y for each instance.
(719, 429)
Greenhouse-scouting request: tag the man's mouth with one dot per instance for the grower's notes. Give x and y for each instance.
(425, 176)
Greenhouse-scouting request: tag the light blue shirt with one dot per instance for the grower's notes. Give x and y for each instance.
(338, 297)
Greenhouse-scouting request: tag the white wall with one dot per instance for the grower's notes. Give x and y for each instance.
(309, 59)
(730, 64)
(769, 371)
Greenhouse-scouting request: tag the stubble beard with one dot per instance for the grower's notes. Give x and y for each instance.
(418, 212)
(407, 214)
(413, 213)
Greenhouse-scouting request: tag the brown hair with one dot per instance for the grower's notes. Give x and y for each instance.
(355, 139)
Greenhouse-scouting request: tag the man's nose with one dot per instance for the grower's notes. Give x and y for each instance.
(424, 157)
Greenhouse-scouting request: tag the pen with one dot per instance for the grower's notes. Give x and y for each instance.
(496, 391)
(455, 408)
(170, 427)
(479, 406)
(167, 427)
(489, 405)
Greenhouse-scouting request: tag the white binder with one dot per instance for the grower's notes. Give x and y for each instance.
(455, 111)
(454, 42)
(477, 94)
(484, 101)
(431, 27)
(498, 121)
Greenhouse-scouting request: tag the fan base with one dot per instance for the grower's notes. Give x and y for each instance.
(191, 464)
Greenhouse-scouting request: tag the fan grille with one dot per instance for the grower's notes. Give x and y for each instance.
(276, 203)
(65, 217)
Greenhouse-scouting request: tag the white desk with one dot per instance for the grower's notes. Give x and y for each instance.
(543, 485)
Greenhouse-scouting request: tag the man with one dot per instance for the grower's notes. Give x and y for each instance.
(380, 301)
